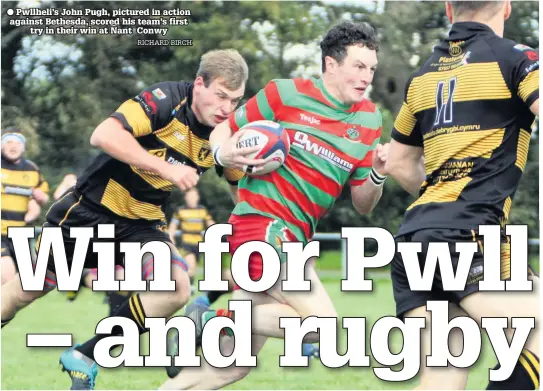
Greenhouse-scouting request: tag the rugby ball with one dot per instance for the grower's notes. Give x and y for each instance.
(273, 142)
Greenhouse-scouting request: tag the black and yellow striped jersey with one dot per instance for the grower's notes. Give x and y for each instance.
(161, 119)
(192, 222)
(18, 181)
(469, 108)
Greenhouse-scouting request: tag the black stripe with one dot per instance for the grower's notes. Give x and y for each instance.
(14, 216)
(531, 364)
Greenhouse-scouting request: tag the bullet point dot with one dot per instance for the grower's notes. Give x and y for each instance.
(10, 12)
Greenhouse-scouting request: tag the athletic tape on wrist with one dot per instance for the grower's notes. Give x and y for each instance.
(376, 178)
(216, 155)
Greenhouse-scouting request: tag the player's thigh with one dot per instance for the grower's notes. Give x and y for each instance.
(432, 378)
(505, 303)
(315, 302)
(9, 270)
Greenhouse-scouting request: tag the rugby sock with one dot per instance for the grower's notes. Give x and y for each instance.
(220, 312)
(214, 296)
(525, 376)
(116, 300)
(131, 309)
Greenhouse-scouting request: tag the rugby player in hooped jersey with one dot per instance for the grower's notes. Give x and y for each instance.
(286, 204)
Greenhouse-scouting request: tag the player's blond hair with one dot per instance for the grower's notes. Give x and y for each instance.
(228, 64)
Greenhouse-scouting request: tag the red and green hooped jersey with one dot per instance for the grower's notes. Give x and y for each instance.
(331, 145)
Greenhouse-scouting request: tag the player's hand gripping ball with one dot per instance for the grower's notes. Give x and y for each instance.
(273, 141)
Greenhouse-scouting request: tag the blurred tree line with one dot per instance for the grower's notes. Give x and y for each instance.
(59, 88)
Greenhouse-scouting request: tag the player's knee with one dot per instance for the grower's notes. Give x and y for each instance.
(237, 373)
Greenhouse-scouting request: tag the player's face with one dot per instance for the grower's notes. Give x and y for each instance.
(13, 150)
(214, 103)
(192, 198)
(355, 74)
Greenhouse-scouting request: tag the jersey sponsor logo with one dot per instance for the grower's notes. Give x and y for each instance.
(146, 101)
(159, 94)
(530, 68)
(174, 161)
(352, 133)
(301, 140)
(310, 119)
(204, 152)
(17, 191)
(455, 48)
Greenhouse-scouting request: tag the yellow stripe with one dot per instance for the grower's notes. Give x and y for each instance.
(136, 118)
(11, 223)
(131, 303)
(507, 207)
(20, 178)
(15, 203)
(139, 310)
(529, 85)
(233, 175)
(530, 371)
(187, 214)
(442, 192)
(523, 146)
(405, 122)
(69, 210)
(188, 226)
(475, 81)
(192, 238)
(153, 179)
(119, 200)
(505, 256)
(179, 137)
(460, 145)
(533, 360)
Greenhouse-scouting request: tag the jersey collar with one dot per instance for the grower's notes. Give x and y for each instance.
(463, 30)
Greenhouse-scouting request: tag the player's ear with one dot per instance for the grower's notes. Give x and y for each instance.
(199, 81)
(449, 11)
(507, 9)
(331, 64)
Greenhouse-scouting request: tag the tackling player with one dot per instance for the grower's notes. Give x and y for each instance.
(24, 191)
(469, 111)
(286, 205)
(152, 143)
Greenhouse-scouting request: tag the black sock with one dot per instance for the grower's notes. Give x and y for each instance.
(213, 296)
(116, 299)
(525, 376)
(5, 322)
(131, 309)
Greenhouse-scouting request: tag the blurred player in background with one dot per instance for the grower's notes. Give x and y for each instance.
(193, 219)
(24, 191)
(286, 205)
(471, 120)
(151, 144)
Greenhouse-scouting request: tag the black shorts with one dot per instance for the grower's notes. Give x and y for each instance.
(72, 211)
(407, 300)
(7, 249)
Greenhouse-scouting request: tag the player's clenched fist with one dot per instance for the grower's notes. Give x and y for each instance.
(184, 177)
(380, 155)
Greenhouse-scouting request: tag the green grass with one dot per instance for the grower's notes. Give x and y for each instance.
(37, 368)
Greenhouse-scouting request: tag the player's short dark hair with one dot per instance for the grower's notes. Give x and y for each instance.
(463, 7)
(346, 34)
